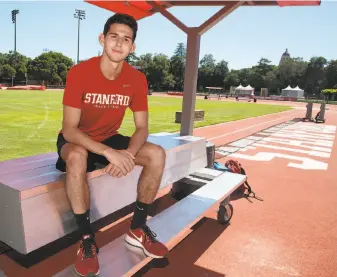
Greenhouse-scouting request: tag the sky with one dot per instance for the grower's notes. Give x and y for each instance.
(241, 39)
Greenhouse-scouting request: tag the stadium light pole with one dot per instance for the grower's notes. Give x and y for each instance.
(14, 13)
(80, 15)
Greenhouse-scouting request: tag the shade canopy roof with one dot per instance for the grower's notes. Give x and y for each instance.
(142, 9)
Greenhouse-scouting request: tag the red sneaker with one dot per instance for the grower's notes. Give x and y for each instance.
(145, 238)
(87, 262)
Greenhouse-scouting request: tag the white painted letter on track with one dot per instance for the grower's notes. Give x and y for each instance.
(306, 163)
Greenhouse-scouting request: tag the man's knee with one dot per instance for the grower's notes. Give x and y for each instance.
(156, 154)
(76, 158)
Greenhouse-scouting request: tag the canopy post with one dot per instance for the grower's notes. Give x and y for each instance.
(192, 58)
(190, 82)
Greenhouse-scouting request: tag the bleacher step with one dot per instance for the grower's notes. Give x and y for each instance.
(118, 259)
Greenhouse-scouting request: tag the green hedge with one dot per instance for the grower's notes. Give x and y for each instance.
(329, 90)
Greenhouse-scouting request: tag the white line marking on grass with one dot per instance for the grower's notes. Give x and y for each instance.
(41, 125)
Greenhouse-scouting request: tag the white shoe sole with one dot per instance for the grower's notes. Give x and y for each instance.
(137, 243)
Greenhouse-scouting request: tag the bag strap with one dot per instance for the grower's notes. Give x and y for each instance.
(250, 192)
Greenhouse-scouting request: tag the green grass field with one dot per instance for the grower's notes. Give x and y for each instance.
(30, 121)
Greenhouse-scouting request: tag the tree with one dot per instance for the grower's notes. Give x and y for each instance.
(220, 71)
(331, 74)
(270, 81)
(329, 94)
(232, 79)
(177, 67)
(206, 71)
(244, 76)
(180, 51)
(3, 59)
(19, 62)
(132, 59)
(264, 66)
(7, 71)
(157, 70)
(16, 61)
(255, 78)
(167, 73)
(300, 68)
(145, 61)
(51, 67)
(177, 70)
(292, 72)
(314, 75)
(160, 76)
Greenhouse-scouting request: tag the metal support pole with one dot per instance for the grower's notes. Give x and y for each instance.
(15, 36)
(190, 82)
(14, 14)
(80, 15)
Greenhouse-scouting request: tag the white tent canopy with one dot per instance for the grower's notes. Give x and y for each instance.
(239, 87)
(292, 92)
(244, 90)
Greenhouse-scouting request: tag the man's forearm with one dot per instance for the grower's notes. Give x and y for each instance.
(74, 135)
(137, 140)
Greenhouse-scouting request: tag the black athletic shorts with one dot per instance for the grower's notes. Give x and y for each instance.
(117, 142)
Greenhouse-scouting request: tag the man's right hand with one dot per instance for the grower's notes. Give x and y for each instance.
(119, 158)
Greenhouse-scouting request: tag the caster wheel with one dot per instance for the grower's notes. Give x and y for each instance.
(225, 213)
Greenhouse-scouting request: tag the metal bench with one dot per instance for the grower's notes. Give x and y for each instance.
(32, 194)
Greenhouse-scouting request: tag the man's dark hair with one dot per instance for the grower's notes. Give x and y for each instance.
(120, 18)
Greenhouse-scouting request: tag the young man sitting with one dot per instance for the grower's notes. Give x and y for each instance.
(97, 94)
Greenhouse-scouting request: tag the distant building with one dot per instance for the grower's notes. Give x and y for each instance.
(285, 56)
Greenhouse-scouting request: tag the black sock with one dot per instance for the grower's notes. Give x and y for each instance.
(140, 215)
(83, 223)
(88, 213)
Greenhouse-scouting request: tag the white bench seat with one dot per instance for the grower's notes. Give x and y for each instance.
(171, 225)
(34, 208)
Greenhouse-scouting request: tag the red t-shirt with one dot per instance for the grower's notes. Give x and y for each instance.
(103, 102)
